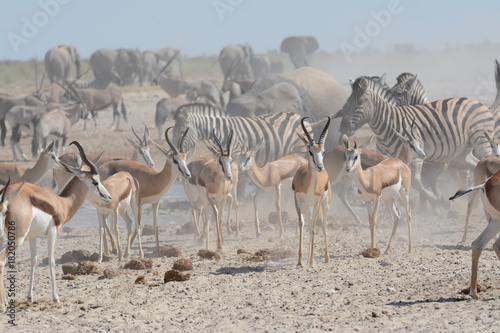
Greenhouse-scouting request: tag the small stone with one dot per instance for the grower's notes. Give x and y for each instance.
(68, 277)
(371, 253)
(175, 275)
(207, 254)
(139, 263)
(183, 265)
(110, 273)
(140, 280)
(170, 251)
(70, 268)
(87, 267)
(148, 230)
(242, 251)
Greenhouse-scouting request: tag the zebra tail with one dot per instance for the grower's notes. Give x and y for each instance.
(462, 192)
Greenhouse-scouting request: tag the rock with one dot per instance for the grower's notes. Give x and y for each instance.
(183, 265)
(70, 268)
(372, 252)
(139, 263)
(95, 256)
(207, 254)
(148, 230)
(87, 267)
(242, 251)
(75, 256)
(175, 275)
(187, 228)
(68, 277)
(170, 251)
(110, 273)
(140, 280)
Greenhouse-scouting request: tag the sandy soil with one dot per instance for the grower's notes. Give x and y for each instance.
(417, 292)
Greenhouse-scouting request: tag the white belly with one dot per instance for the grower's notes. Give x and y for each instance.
(39, 223)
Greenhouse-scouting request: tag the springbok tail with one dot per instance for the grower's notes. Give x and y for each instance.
(462, 192)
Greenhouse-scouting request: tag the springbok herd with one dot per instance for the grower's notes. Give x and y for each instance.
(458, 135)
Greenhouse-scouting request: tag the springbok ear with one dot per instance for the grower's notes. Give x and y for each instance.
(303, 137)
(11, 195)
(131, 142)
(345, 140)
(339, 114)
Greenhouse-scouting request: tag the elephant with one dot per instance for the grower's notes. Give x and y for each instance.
(58, 61)
(299, 48)
(164, 56)
(150, 67)
(261, 65)
(306, 91)
(102, 60)
(235, 62)
(128, 64)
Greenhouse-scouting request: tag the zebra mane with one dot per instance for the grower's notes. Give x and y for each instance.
(376, 84)
(202, 109)
(415, 95)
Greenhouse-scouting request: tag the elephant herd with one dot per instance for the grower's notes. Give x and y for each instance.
(238, 63)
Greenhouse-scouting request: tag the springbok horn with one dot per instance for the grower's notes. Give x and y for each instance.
(322, 136)
(170, 142)
(229, 140)
(311, 141)
(85, 159)
(217, 140)
(5, 190)
(137, 136)
(182, 141)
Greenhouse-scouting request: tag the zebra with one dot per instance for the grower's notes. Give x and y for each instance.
(450, 128)
(278, 130)
(408, 90)
(102, 81)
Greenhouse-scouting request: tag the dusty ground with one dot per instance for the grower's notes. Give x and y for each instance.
(396, 292)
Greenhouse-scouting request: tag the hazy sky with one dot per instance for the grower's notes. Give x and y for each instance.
(29, 28)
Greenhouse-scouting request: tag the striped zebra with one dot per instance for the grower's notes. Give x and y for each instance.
(102, 81)
(450, 128)
(277, 130)
(408, 90)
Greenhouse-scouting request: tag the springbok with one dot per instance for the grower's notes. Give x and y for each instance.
(17, 173)
(215, 177)
(312, 188)
(153, 183)
(490, 194)
(270, 177)
(412, 148)
(487, 167)
(387, 181)
(39, 211)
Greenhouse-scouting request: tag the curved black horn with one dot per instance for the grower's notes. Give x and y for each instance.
(322, 136)
(311, 141)
(137, 136)
(217, 140)
(85, 159)
(229, 141)
(182, 141)
(146, 134)
(170, 142)
(5, 190)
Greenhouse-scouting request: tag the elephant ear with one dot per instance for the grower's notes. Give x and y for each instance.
(288, 44)
(248, 50)
(311, 44)
(73, 52)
